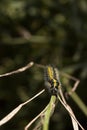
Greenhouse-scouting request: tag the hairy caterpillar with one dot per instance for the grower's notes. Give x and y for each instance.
(51, 76)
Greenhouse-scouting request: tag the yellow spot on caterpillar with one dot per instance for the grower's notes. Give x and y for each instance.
(55, 83)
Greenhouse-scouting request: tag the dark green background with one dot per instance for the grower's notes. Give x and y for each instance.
(46, 32)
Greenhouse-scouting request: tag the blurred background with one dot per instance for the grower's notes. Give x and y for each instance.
(46, 32)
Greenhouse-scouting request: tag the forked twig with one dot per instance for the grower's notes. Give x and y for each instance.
(68, 108)
(74, 96)
(46, 112)
(15, 111)
(77, 81)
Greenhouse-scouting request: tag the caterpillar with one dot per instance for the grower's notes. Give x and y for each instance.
(51, 76)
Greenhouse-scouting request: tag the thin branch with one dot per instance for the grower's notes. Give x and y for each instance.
(68, 108)
(76, 98)
(77, 81)
(33, 39)
(31, 122)
(71, 92)
(18, 70)
(16, 110)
